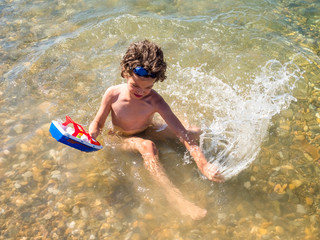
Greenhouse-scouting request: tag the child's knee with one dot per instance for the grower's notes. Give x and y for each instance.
(148, 147)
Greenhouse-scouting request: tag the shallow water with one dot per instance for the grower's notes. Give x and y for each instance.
(247, 72)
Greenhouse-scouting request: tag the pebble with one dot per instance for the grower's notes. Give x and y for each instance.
(75, 210)
(20, 202)
(71, 224)
(279, 230)
(297, 183)
(47, 216)
(301, 209)
(222, 216)
(56, 174)
(22, 157)
(309, 201)
(107, 213)
(274, 162)
(288, 113)
(37, 175)
(84, 213)
(53, 190)
(6, 152)
(9, 174)
(308, 157)
(27, 174)
(247, 185)
(18, 128)
(54, 153)
(299, 138)
(280, 189)
(47, 164)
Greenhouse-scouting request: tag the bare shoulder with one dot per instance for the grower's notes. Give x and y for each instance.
(155, 96)
(114, 90)
(112, 93)
(158, 101)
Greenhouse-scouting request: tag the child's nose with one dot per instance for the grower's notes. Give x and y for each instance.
(140, 91)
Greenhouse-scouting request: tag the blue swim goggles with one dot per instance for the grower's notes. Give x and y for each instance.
(140, 71)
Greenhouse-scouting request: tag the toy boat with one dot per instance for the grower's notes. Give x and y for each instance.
(77, 138)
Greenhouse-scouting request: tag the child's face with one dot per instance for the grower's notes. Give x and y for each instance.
(139, 87)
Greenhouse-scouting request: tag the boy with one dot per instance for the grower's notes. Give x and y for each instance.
(133, 105)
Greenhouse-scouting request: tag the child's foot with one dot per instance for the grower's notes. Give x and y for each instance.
(195, 212)
(212, 173)
(187, 208)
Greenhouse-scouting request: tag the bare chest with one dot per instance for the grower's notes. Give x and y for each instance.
(132, 111)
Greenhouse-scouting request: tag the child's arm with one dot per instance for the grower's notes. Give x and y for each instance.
(208, 169)
(105, 107)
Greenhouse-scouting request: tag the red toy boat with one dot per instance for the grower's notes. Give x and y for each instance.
(75, 137)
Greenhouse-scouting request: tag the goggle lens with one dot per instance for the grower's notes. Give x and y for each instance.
(140, 71)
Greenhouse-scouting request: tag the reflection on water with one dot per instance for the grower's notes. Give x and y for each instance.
(247, 72)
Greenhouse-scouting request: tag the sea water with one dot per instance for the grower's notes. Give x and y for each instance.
(246, 72)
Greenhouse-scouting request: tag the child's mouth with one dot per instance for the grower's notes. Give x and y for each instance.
(137, 95)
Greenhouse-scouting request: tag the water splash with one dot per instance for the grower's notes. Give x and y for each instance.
(236, 134)
(236, 116)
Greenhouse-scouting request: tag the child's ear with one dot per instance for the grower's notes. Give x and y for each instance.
(126, 75)
(124, 72)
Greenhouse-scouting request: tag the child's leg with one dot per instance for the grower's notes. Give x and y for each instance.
(209, 170)
(149, 153)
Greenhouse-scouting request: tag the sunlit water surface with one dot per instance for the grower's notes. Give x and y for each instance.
(246, 72)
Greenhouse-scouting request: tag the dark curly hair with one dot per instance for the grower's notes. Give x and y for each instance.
(147, 55)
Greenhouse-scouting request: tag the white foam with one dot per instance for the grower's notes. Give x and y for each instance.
(237, 117)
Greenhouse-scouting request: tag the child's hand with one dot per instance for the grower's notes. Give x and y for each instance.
(93, 130)
(93, 135)
(212, 173)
